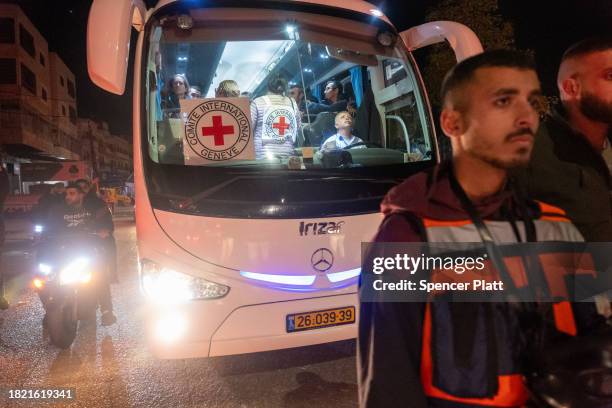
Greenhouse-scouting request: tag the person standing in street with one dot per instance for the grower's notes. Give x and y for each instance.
(50, 199)
(567, 168)
(447, 354)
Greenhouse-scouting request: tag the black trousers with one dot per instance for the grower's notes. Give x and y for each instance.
(110, 269)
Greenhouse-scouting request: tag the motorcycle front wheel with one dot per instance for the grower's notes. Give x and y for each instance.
(61, 324)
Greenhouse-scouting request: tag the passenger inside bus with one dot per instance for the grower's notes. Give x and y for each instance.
(377, 91)
(227, 89)
(297, 93)
(276, 121)
(344, 138)
(195, 92)
(177, 88)
(335, 100)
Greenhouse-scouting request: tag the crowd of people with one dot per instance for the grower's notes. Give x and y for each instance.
(280, 98)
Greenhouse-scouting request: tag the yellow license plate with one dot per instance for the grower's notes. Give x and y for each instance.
(320, 318)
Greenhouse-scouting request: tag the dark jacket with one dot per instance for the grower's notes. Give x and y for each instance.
(66, 219)
(92, 200)
(326, 106)
(566, 171)
(368, 125)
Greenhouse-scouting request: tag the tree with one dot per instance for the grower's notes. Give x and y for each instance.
(483, 17)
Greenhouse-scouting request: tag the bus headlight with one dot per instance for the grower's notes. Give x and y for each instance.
(164, 285)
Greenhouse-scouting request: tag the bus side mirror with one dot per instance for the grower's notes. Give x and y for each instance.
(108, 41)
(461, 38)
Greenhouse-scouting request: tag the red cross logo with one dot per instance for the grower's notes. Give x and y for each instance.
(281, 126)
(217, 130)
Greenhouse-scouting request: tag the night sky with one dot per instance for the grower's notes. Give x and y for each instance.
(546, 26)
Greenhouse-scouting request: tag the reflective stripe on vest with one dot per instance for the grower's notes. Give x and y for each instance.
(552, 225)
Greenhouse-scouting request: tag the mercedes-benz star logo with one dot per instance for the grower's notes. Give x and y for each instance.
(322, 259)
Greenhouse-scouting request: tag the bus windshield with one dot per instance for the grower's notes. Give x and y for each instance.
(277, 120)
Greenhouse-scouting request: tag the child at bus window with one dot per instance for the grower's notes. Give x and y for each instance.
(344, 138)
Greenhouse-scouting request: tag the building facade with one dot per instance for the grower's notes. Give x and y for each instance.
(110, 155)
(63, 105)
(32, 121)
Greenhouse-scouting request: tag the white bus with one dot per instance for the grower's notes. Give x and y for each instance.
(239, 254)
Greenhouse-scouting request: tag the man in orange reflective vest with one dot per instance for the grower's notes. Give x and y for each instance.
(491, 116)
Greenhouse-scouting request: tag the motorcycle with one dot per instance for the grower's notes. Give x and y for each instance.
(576, 373)
(69, 271)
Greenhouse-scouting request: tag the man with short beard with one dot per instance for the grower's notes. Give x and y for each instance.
(567, 168)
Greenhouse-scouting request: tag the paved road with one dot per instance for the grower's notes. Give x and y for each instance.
(111, 367)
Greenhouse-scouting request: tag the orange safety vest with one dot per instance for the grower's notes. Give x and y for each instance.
(551, 225)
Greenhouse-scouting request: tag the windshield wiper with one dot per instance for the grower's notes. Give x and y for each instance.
(191, 203)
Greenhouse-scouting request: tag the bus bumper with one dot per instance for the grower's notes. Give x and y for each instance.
(199, 329)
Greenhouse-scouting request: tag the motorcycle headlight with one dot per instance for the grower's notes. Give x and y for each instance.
(38, 228)
(77, 271)
(44, 268)
(164, 285)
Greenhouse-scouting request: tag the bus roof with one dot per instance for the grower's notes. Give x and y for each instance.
(358, 6)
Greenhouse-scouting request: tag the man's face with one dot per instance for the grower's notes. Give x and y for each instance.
(595, 78)
(296, 94)
(344, 120)
(500, 118)
(330, 92)
(74, 197)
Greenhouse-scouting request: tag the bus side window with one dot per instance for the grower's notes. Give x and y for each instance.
(152, 119)
(170, 141)
(399, 98)
(397, 134)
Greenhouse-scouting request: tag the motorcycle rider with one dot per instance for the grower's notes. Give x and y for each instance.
(94, 201)
(74, 216)
(50, 199)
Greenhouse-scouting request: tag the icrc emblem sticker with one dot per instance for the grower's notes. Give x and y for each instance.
(279, 124)
(217, 130)
(322, 259)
